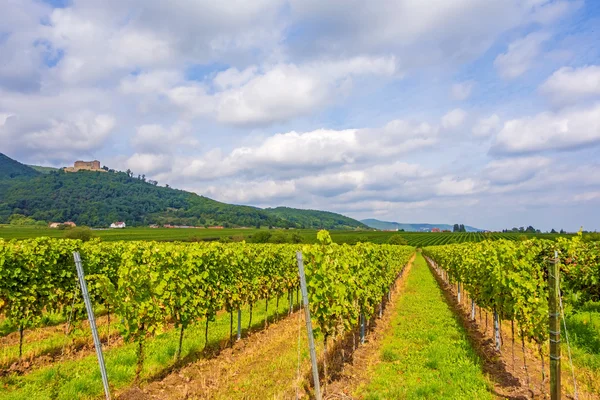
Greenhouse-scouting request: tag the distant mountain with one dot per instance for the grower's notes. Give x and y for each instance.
(385, 225)
(100, 198)
(313, 218)
(10, 168)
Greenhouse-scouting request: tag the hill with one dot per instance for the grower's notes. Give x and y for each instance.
(98, 199)
(388, 226)
(43, 170)
(314, 218)
(10, 168)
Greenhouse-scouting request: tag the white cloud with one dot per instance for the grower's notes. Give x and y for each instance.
(146, 163)
(56, 139)
(277, 93)
(486, 126)
(462, 90)
(454, 119)
(154, 138)
(453, 186)
(232, 77)
(101, 38)
(567, 129)
(520, 56)
(244, 192)
(568, 85)
(418, 33)
(292, 154)
(514, 170)
(587, 196)
(151, 82)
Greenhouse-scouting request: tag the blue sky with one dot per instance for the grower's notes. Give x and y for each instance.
(482, 112)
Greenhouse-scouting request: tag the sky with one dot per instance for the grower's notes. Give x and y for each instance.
(481, 112)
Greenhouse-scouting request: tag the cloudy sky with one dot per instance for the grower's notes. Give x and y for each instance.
(482, 112)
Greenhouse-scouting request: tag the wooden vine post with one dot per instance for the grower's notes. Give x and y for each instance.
(554, 314)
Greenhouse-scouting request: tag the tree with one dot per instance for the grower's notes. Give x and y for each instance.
(553, 231)
(462, 228)
(530, 229)
(562, 232)
(456, 228)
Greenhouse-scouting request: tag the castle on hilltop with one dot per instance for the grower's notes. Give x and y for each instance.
(85, 166)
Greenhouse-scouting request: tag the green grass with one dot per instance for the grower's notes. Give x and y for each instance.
(584, 337)
(426, 354)
(80, 379)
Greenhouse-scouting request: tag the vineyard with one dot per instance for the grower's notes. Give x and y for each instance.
(151, 286)
(169, 301)
(417, 239)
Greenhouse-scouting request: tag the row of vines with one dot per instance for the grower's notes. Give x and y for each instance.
(150, 284)
(423, 239)
(510, 278)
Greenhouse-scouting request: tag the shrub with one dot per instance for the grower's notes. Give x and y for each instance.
(81, 233)
(398, 240)
(279, 237)
(260, 237)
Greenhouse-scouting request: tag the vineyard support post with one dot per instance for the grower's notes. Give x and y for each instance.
(497, 330)
(239, 330)
(472, 309)
(458, 291)
(554, 329)
(362, 328)
(311, 339)
(90, 312)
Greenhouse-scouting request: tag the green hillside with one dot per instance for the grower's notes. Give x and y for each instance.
(10, 168)
(314, 219)
(43, 170)
(99, 198)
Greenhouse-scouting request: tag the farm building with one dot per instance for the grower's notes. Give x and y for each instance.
(58, 224)
(118, 224)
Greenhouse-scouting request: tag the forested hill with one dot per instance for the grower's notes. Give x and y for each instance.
(10, 168)
(314, 218)
(99, 198)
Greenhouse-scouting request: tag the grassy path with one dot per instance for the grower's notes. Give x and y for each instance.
(424, 353)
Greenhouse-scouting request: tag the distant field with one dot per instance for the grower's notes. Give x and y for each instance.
(419, 239)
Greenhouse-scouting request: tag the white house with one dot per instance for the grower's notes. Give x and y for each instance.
(119, 224)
